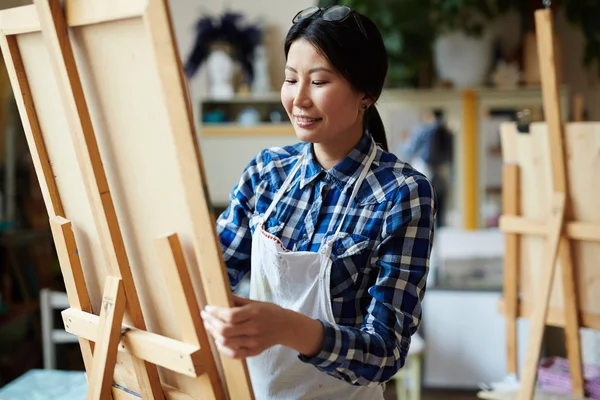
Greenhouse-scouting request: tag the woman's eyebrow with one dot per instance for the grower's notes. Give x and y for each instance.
(312, 70)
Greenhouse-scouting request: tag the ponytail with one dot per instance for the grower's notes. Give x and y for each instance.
(374, 125)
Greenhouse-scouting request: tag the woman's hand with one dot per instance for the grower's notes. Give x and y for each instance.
(251, 327)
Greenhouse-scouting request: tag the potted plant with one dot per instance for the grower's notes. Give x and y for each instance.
(463, 47)
(419, 33)
(404, 27)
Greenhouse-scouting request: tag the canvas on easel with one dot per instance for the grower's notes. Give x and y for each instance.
(551, 221)
(103, 101)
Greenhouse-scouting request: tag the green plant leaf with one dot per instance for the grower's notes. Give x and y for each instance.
(393, 42)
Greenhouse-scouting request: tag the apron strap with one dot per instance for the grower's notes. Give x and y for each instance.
(357, 186)
(283, 188)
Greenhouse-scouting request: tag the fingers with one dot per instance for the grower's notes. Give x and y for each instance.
(238, 353)
(244, 330)
(240, 301)
(234, 315)
(239, 347)
(218, 327)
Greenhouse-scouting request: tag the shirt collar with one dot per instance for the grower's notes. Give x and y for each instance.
(310, 168)
(343, 173)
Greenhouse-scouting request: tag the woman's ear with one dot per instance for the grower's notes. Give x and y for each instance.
(368, 100)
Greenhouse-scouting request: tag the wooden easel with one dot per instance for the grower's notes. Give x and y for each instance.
(560, 230)
(84, 147)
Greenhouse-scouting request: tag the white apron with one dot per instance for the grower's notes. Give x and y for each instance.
(297, 280)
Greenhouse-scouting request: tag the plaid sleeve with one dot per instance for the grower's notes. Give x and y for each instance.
(233, 226)
(374, 353)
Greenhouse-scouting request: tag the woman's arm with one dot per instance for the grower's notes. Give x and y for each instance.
(233, 225)
(375, 352)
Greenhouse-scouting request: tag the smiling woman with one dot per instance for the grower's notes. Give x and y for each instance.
(334, 231)
(324, 108)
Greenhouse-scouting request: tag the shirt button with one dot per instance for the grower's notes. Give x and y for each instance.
(340, 251)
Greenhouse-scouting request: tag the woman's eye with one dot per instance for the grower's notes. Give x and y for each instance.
(290, 81)
(319, 83)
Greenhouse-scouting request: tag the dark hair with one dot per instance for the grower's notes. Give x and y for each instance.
(361, 60)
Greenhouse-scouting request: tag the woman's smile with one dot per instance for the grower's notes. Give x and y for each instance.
(306, 122)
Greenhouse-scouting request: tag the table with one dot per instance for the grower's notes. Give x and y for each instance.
(43, 384)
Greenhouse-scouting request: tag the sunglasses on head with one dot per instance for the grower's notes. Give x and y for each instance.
(331, 14)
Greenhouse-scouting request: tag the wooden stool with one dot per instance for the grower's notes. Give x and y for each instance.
(408, 379)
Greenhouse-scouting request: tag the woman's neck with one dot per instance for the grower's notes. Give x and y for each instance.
(331, 153)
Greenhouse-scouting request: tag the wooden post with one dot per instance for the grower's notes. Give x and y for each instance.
(470, 169)
(510, 203)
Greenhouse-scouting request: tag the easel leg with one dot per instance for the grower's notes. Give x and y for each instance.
(545, 32)
(571, 313)
(109, 336)
(72, 272)
(186, 307)
(510, 201)
(540, 307)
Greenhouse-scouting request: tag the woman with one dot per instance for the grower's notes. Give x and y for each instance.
(335, 231)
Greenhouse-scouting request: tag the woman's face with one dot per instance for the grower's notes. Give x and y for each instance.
(321, 104)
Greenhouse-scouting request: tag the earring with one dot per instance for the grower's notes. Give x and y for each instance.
(364, 107)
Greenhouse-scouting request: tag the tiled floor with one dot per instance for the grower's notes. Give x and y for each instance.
(437, 394)
(448, 395)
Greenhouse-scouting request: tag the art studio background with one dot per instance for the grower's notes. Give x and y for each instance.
(458, 69)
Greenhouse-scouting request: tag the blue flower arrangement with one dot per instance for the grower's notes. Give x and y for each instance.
(228, 30)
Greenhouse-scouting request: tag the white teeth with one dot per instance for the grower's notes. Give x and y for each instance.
(305, 119)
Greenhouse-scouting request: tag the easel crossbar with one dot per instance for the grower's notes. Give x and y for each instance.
(169, 353)
(573, 230)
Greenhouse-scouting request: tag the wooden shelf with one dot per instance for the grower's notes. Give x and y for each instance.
(273, 97)
(225, 130)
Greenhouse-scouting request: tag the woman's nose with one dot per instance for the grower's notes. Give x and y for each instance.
(302, 97)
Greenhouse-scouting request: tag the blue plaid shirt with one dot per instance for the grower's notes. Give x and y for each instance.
(380, 261)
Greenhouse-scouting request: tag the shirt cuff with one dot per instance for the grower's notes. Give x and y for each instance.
(330, 357)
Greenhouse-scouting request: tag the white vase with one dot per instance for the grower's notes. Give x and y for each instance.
(220, 74)
(462, 59)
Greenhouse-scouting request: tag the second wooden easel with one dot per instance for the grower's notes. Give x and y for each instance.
(559, 231)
